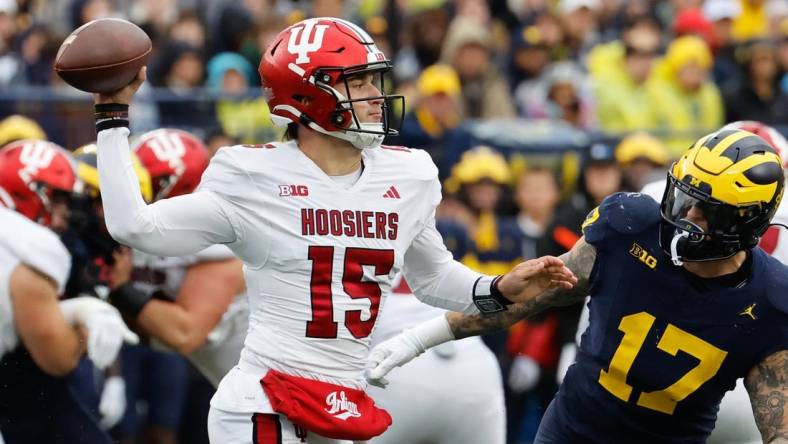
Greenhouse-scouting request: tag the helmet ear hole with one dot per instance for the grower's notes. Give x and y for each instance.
(338, 119)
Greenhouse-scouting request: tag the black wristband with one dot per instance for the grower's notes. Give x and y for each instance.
(129, 300)
(111, 115)
(487, 297)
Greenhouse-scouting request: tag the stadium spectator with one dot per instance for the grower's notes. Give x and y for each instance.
(579, 19)
(530, 55)
(759, 95)
(601, 177)
(83, 11)
(620, 71)
(246, 119)
(688, 103)
(37, 48)
(562, 94)
(425, 28)
(537, 195)
(481, 178)
(10, 63)
(642, 158)
(721, 14)
(179, 70)
(188, 28)
(229, 31)
(436, 112)
(469, 49)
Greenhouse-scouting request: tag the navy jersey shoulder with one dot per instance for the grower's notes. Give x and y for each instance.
(620, 214)
(663, 346)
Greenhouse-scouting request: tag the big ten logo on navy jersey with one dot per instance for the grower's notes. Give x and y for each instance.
(643, 255)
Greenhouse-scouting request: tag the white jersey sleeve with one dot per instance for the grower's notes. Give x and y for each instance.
(36, 246)
(25, 242)
(170, 227)
(435, 277)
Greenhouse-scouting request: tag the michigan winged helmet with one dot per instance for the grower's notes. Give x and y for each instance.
(736, 179)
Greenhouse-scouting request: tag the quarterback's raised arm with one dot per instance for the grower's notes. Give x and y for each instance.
(170, 227)
(580, 260)
(767, 385)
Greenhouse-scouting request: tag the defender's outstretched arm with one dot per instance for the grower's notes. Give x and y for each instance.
(580, 260)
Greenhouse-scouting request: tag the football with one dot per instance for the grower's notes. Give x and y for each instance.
(103, 55)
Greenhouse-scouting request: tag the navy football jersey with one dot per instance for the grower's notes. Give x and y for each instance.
(662, 346)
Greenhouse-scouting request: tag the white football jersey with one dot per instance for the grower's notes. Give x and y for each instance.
(223, 344)
(320, 258)
(23, 241)
(318, 254)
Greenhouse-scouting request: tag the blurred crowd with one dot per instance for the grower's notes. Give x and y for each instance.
(639, 79)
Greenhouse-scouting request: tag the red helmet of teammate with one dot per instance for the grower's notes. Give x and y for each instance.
(175, 160)
(32, 173)
(766, 133)
(303, 64)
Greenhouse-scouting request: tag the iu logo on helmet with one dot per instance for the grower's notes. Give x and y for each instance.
(169, 148)
(303, 40)
(34, 156)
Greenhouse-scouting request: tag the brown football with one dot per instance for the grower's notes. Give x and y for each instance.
(103, 55)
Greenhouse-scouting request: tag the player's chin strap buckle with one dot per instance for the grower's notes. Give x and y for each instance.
(674, 244)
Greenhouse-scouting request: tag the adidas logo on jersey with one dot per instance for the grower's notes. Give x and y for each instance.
(339, 407)
(392, 193)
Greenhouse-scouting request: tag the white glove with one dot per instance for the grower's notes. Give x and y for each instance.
(106, 329)
(565, 360)
(113, 402)
(524, 374)
(402, 348)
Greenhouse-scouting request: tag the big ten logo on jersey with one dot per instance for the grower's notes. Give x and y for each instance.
(305, 39)
(34, 156)
(643, 256)
(169, 148)
(293, 190)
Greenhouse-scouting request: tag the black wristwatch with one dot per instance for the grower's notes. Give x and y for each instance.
(486, 296)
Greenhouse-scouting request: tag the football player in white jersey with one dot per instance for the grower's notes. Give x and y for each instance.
(41, 340)
(735, 421)
(323, 223)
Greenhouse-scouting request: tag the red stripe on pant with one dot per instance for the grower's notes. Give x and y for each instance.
(266, 429)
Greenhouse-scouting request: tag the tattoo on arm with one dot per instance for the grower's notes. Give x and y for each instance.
(767, 385)
(580, 259)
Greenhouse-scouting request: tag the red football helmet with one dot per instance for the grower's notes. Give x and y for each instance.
(175, 160)
(767, 133)
(32, 172)
(306, 60)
